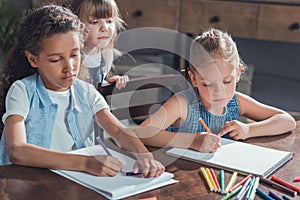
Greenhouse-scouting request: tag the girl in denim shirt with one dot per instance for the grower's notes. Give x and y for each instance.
(103, 20)
(49, 111)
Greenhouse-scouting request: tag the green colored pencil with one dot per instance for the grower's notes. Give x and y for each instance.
(229, 195)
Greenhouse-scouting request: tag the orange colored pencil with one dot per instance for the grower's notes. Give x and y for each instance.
(215, 179)
(210, 176)
(204, 125)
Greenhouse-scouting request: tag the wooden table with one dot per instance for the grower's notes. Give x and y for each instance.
(23, 183)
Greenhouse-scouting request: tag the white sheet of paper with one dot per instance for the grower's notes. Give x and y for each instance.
(238, 156)
(119, 186)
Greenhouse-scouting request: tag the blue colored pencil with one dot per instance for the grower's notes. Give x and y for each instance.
(244, 189)
(250, 188)
(263, 194)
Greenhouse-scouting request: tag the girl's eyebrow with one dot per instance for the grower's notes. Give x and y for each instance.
(58, 54)
(54, 54)
(229, 76)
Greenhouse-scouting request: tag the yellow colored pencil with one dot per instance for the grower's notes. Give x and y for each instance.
(211, 178)
(211, 188)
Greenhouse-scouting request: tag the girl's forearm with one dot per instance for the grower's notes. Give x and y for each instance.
(35, 156)
(129, 141)
(275, 125)
(153, 136)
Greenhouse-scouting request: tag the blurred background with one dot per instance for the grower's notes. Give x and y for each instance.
(266, 32)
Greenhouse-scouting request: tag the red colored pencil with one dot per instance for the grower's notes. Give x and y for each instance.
(296, 179)
(240, 183)
(215, 179)
(282, 182)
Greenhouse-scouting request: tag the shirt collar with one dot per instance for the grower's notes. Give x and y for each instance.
(46, 100)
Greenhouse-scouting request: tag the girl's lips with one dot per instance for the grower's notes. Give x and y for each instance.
(103, 38)
(219, 99)
(69, 77)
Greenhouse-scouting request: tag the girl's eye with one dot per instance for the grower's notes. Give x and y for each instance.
(109, 21)
(94, 22)
(227, 82)
(54, 60)
(206, 84)
(75, 54)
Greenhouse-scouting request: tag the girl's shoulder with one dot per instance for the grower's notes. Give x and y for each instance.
(243, 97)
(82, 85)
(190, 95)
(18, 87)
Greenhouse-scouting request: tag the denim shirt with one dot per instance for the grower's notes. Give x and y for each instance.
(196, 110)
(97, 74)
(40, 120)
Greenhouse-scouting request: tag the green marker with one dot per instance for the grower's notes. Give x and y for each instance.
(229, 195)
(285, 197)
(222, 181)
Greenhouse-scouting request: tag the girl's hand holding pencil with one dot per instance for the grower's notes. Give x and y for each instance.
(209, 142)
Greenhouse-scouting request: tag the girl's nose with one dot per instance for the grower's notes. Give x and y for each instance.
(103, 26)
(219, 89)
(69, 65)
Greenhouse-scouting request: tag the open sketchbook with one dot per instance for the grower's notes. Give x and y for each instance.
(238, 156)
(119, 186)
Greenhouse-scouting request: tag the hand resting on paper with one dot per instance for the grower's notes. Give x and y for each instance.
(148, 165)
(236, 129)
(105, 165)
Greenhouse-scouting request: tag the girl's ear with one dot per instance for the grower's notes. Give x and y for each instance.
(238, 73)
(193, 78)
(32, 59)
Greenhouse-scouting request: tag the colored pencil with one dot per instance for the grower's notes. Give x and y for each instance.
(222, 180)
(231, 182)
(244, 189)
(274, 195)
(208, 172)
(282, 182)
(240, 183)
(231, 194)
(250, 188)
(211, 188)
(253, 191)
(263, 194)
(204, 125)
(215, 179)
(278, 186)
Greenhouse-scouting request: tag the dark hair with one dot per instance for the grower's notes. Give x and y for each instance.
(41, 23)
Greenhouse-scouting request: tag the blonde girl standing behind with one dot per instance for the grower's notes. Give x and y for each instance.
(49, 111)
(102, 19)
(215, 70)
